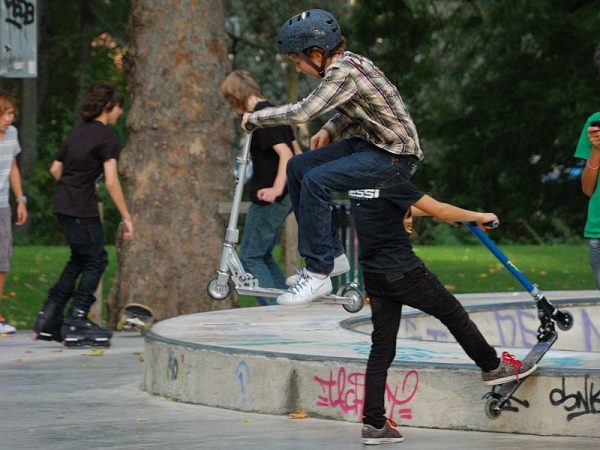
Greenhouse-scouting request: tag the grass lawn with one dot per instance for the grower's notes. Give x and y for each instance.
(34, 270)
(463, 269)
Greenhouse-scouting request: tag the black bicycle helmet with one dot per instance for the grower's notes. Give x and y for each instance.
(312, 28)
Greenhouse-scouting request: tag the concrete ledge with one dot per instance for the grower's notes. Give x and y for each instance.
(278, 360)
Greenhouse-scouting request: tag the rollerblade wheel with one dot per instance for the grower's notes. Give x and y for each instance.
(491, 408)
(565, 322)
(217, 292)
(356, 300)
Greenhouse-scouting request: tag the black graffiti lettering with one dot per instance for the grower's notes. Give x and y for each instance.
(21, 12)
(172, 367)
(582, 403)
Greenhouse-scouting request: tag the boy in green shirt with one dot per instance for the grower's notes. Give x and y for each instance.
(588, 148)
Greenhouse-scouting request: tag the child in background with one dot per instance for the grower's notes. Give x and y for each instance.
(90, 150)
(270, 149)
(9, 176)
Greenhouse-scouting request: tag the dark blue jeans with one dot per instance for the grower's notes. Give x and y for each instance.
(342, 166)
(81, 275)
(261, 231)
(420, 289)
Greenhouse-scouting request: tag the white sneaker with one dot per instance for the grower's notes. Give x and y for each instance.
(307, 289)
(340, 265)
(6, 328)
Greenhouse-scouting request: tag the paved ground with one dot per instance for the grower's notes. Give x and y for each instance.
(56, 398)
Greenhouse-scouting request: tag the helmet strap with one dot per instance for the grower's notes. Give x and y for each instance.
(320, 70)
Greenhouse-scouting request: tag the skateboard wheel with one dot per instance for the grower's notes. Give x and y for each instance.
(565, 321)
(491, 408)
(217, 292)
(356, 299)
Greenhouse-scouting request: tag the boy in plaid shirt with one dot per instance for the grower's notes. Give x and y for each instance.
(376, 142)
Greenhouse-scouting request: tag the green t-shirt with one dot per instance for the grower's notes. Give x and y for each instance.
(583, 150)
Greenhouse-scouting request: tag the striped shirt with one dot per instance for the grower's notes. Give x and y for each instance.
(366, 103)
(9, 148)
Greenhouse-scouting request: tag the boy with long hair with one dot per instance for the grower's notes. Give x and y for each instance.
(91, 150)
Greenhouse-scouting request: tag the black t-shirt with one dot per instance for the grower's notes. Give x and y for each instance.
(265, 160)
(378, 217)
(83, 154)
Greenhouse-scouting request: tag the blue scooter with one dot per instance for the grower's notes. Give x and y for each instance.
(499, 398)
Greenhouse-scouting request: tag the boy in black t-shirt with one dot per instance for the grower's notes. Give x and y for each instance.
(271, 148)
(91, 150)
(394, 276)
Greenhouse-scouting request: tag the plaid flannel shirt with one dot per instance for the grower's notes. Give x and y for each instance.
(367, 106)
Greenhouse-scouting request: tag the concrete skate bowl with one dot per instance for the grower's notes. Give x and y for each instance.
(505, 324)
(277, 360)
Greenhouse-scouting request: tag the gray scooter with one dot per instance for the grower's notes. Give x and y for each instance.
(231, 268)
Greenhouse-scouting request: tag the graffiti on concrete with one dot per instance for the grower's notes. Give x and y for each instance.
(513, 328)
(346, 391)
(242, 373)
(591, 334)
(176, 368)
(517, 328)
(172, 367)
(577, 402)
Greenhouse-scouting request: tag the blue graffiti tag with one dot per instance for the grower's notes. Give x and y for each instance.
(242, 373)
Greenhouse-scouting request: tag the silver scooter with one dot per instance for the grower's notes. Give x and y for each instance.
(349, 295)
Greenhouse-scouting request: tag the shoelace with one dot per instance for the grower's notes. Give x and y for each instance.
(302, 281)
(507, 358)
(392, 423)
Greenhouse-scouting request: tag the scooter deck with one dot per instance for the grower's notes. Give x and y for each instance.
(273, 292)
(504, 392)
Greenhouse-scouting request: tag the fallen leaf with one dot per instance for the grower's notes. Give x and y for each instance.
(298, 415)
(96, 352)
(247, 421)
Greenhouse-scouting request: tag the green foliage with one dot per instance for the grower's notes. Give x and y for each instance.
(499, 92)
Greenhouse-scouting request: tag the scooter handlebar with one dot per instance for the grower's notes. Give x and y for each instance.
(249, 127)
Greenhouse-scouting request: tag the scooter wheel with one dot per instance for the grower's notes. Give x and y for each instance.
(565, 321)
(356, 299)
(491, 409)
(217, 292)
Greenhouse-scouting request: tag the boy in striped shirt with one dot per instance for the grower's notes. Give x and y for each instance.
(10, 177)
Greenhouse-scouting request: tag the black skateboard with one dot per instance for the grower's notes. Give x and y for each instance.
(499, 399)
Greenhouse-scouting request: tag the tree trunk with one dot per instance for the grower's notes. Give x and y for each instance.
(176, 167)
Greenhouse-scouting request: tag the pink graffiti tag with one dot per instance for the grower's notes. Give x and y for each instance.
(347, 392)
